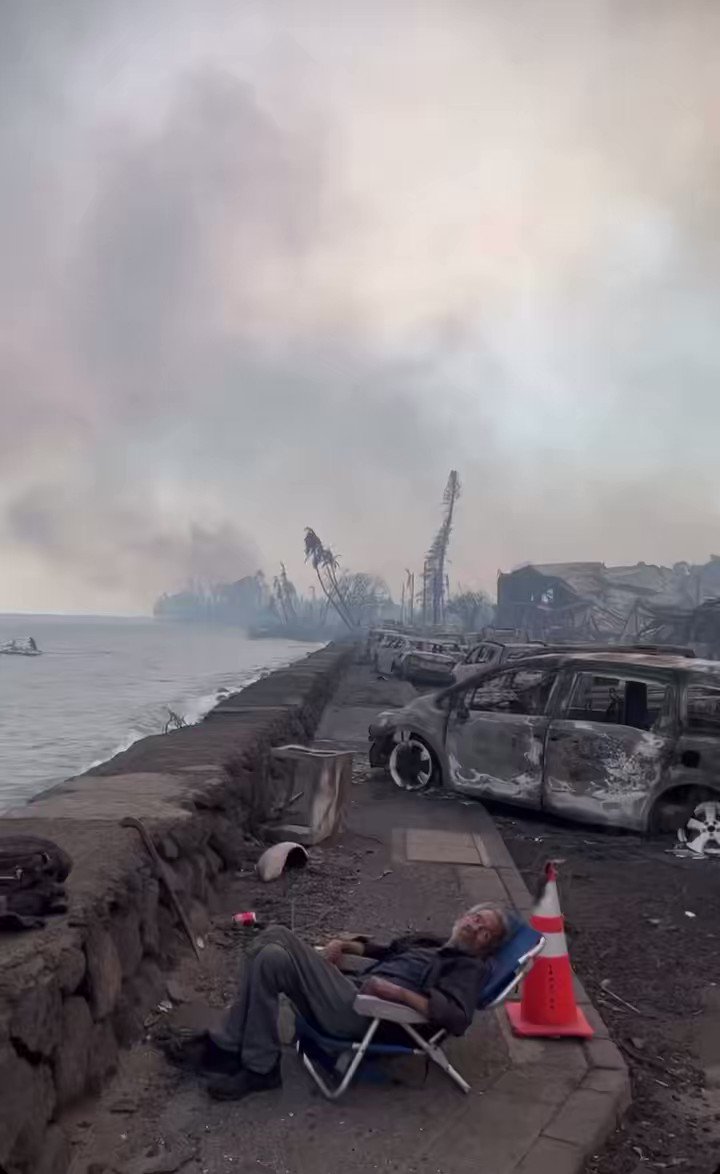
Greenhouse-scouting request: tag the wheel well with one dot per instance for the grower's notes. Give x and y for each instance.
(674, 807)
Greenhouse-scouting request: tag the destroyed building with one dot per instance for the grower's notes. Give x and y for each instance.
(589, 601)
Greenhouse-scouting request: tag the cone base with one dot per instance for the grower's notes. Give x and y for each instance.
(578, 1026)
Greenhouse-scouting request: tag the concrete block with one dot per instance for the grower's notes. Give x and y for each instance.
(490, 1133)
(435, 847)
(566, 1054)
(535, 1082)
(482, 884)
(71, 1056)
(610, 1080)
(516, 889)
(104, 971)
(596, 1021)
(548, 1156)
(582, 998)
(494, 848)
(603, 1053)
(35, 1023)
(584, 1120)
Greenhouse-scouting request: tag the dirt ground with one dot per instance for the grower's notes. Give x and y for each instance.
(627, 902)
(153, 1119)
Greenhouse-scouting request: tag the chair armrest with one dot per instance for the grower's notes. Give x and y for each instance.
(384, 1009)
(355, 963)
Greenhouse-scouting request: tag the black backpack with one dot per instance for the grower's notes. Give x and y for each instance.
(32, 872)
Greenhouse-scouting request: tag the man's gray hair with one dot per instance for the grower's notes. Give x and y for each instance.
(504, 919)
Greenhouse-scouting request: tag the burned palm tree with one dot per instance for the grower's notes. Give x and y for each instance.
(325, 565)
(434, 578)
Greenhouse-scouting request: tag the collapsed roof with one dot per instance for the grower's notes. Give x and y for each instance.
(590, 599)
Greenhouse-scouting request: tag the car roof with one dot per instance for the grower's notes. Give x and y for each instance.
(625, 660)
(606, 662)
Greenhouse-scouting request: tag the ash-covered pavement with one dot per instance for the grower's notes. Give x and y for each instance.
(534, 1105)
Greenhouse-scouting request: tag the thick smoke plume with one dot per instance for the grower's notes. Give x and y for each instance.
(259, 270)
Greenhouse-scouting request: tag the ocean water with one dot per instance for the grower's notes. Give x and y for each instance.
(102, 683)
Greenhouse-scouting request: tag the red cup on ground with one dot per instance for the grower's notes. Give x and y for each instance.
(245, 918)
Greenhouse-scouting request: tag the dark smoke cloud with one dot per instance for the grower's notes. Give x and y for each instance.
(259, 274)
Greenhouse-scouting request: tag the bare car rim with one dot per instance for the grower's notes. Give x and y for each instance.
(410, 764)
(701, 833)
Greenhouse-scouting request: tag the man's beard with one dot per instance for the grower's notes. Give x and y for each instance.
(458, 943)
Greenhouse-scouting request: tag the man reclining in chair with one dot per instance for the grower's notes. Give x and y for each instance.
(442, 981)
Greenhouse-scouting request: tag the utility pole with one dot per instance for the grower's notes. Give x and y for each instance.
(425, 594)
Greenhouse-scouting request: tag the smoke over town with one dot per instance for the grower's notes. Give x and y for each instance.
(263, 271)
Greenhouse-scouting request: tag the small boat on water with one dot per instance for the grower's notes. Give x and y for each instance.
(17, 648)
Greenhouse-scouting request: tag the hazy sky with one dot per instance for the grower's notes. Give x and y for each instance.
(270, 263)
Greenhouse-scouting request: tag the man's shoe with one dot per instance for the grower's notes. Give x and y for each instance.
(244, 1083)
(201, 1055)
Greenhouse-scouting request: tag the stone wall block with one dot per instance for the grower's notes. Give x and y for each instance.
(55, 1155)
(103, 1054)
(35, 1022)
(26, 1104)
(149, 930)
(104, 972)
(73, 1051)
(125, 933)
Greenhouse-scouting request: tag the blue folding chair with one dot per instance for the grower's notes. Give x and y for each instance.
(340, 1059)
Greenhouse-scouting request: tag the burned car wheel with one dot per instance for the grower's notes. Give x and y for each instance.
(674, 811)
(701, 833)
(412, 764)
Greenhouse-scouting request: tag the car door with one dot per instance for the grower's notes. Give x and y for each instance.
(496, 735)
(609, 745)
(696, 762)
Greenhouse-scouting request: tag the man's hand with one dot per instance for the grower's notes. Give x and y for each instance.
(382, 988)
(333, 952)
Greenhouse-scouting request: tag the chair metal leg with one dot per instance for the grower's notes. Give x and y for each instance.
(438, 1056)
(332, 1094)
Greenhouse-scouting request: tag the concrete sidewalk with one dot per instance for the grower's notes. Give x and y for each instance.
(404, 862)
(535, 1106)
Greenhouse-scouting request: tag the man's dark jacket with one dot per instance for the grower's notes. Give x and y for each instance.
(449, 979)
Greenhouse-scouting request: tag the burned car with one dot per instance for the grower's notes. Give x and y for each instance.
(629, 740)
(419, 659)
(490, 653)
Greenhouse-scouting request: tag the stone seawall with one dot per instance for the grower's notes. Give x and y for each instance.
(75, 992)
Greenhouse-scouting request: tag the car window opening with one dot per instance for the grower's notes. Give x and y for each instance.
(617, 701)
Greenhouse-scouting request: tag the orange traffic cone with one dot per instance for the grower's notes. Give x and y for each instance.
(548, 1006)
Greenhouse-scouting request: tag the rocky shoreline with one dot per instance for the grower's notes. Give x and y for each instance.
(74, 993)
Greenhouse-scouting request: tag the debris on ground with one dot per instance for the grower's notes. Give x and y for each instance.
(626, 899)
(279, 857)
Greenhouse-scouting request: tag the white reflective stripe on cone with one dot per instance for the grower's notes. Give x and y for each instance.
(549, 903)
(555, 946)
